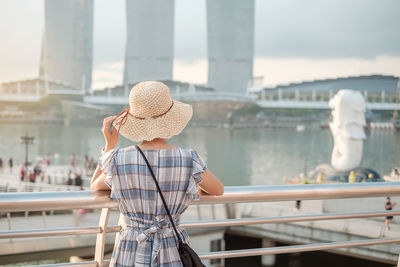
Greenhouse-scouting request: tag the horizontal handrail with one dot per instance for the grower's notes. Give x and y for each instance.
(199, 224)
(273, 250)
(296, 248)
(286, 219)
(50, 232)
(11, 202)
(75, 264)
(16, 202)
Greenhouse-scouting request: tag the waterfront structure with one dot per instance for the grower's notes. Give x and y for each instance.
(67, 45)
(375, 88)
(150, 40)
(176, 88)
(230, 32)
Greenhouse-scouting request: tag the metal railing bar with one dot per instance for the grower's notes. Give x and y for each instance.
(60, 200)
(285, 219)
(13, 202)
(272, 193)
(296, 248)
(74, 264)
(49, 232)
(199, 224)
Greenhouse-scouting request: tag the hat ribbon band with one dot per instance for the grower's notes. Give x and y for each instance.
(123, 119)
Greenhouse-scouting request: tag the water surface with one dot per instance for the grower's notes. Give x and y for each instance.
(250, 156)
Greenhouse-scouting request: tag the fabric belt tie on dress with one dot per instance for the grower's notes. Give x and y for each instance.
(153, 232)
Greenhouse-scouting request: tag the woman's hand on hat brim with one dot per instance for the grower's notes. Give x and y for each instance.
(111, 138)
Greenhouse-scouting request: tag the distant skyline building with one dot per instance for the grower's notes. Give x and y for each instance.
(150, 40)
(67, 45)
(230, 31)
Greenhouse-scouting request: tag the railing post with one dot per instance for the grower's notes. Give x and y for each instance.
(230, 211)
(398, 262)
(121, 223)
(44, 219)
(199, 212)
(101, 237)
(9, 224)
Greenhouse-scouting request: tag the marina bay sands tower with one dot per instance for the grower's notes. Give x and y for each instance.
(150, 40)
(230, 31)
(67, 45)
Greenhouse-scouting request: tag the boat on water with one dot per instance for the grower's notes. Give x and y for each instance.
(324, 173)
(394, 176)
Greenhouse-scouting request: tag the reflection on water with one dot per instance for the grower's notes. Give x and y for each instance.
(237, 157)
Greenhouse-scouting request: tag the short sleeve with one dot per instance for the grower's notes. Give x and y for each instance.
(107, 163)
(199, 166)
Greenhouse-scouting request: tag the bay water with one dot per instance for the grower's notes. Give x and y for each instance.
(248, 156)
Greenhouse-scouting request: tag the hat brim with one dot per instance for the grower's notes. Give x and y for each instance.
(165, 126)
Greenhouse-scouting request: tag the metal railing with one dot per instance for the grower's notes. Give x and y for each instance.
(14, 202)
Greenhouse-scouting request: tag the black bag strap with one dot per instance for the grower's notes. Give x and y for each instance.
(161, 195)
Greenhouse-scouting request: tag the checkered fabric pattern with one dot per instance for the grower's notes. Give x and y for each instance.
(148, 238)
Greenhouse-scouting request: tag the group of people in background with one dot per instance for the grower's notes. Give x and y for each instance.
(37, 172)
(75, 179)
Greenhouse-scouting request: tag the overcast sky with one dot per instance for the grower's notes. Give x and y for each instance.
(294, 40)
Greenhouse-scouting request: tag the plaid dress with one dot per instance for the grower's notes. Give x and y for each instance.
(148, 238)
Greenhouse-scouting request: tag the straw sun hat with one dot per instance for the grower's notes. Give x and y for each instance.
(152, 113)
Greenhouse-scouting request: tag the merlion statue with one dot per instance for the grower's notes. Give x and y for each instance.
(347, 127)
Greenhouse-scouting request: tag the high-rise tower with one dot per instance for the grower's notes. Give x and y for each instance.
(150, 40)
(67, 46)
(230, 31)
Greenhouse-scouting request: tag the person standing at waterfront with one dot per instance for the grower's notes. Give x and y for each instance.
(86, 164)
(92, 164)
(69, 178)
(22, 172)
(37, 170)
(153, 117)
(72, 162)
(48, 160)
(388, 206)
(1, 165)
(32, 177)
(56, 158)
(10, 164)
(78, 179)
(43, 168)
(352, 177)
